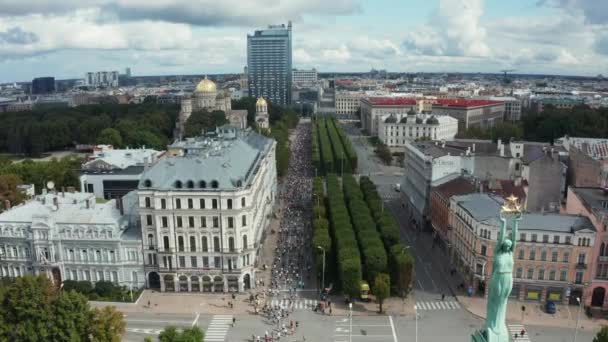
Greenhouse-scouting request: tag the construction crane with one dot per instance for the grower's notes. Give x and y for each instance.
(505, 79)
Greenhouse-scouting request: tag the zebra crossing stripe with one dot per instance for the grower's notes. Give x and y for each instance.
(438, 305)
(516, 329)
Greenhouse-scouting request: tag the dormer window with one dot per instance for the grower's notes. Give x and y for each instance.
(147, 183)
(178, 184)
(190, 184)
(202, 184)
(215, 184)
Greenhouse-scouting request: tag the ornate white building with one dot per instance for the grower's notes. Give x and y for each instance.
(261, 113)
(396, 129)
(69, 236)
(207, 97)
(205, 209)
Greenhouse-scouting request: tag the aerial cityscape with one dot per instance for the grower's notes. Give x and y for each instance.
(189, 171)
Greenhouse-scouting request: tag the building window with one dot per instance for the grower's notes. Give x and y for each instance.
(556, 239)
(579, 278)
(202, 184)
(148, 204)
(563, 275)
(216, 222)
(190, 184)
(541, 274)
(519, 272)
(217, 263)
(178, 184)
(204, 244)
(483, 249)
(543, 256)
(216, 244)
(178, 203)
(522, 237)
(243, 202)
(190, 203)
(581, 258)
(202, 203)
(191, 221)
(532, 254)
(203, 221)
(149, 220)
(552, 275)
(206, 262)
(231, 244)
(179, 221)
(193, 262)
(554, 256)
(245, 241)
(244, 220)
(230, 222)
(229, 203)
(521, 254)
(568, 240)
(546, 238)
(214, 203)
(192, 244)
(534, 237)
(566, 257)
(163, 203)
(180, 243)
(530, 273)
(182, 261)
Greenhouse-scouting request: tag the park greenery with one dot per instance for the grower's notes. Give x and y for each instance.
(58, 128)
(332, 150)
(280, 133)
(381, 288)
(32, 309)
(203, 121)
(550, 124)
(602, 335)
(104, 291)
(172, 334)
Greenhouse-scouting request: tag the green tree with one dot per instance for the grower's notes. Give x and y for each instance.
(9, 191)
(602, 335)
(107, 325)
(402, 269)
(171, 334)
(203, 121)
(382, 288)
(384, 153)
(110, 136)
(71, 317)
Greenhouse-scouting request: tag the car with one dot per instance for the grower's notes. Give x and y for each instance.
(398, 187)
(550, 307)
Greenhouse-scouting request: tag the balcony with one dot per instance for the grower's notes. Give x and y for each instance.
(581, 266)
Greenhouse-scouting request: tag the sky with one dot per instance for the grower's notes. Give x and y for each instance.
(67, 38)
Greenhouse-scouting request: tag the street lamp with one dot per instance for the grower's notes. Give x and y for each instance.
(323, 274)
(416, 313)
(350, 324)
(578, 316)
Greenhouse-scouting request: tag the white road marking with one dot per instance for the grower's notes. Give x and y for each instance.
(390, 319)
(438, 305)
(196, 319)
(516, 329)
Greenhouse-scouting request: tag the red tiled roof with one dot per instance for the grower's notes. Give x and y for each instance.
(458, 186)
(464, 103)
(344, 82)
(391, 101)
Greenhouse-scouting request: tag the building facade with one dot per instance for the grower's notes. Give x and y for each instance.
(43, 85)
(396, 129)
(304, 77)
(588, 161)
(440, 205)
(269, 71)
(593, 204)
(204, 211)
(482, 114)
(372, 108)
(348, 103)
(69, 236)
(110, 173)
(101, 79)
(552, 252)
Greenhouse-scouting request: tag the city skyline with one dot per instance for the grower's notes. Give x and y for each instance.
(65, 40)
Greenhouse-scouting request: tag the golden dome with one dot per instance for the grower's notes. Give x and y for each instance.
(206, 86)
(261, 102)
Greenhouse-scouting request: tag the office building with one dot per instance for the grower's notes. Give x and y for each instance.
(269, 70)
(205, 209)
(43, 85)
(304, 77)
(552, 251)
(110, 173)
(481, 114)
(348, 103)
(70, 236)
(101, 79)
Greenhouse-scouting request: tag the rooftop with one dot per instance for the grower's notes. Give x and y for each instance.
(486, 208)
(120, 159)
(464, 103)
(225, 160)
(458, 186)
(596, 148)
(594, 199)
(390, 101)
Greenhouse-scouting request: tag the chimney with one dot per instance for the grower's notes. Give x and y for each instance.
(7, 204)
(473, 148)
(499, 142)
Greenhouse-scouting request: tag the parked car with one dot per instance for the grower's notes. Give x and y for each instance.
(398, 187)
(550, 307)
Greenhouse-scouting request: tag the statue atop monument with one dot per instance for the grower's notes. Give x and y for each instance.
(501, 281)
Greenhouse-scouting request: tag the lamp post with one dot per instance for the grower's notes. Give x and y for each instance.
(416, 313)
(350, 322)
(323, 274)
(578, 316)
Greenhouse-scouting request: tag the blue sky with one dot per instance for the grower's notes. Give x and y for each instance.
(67, 38)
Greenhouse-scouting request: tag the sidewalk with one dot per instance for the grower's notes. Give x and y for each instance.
(565, 317)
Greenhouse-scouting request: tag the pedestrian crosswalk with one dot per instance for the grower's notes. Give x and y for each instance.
(438, 305)
(516, 329)
(294, 304)
(218, 328)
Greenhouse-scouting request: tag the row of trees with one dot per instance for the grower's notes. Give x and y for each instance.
(57, 128)
(105, 291)
(370, 244)
(320, 225)
(332, 151)
(280, 132)
(400, 261)
(32, 309)
(343, 237)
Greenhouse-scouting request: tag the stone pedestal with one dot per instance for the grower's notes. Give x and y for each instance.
(478, 336)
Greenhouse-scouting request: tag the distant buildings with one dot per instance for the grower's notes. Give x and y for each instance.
(512, 106)
(304, 77)
(396, 129)
(373, 107)
(70, 236)
(348, 103)
(539, 103)
(269, 64)
(553, 252)
(588, 162)
(111, 173)
(204, 211)
(101, 79)
(43, 85)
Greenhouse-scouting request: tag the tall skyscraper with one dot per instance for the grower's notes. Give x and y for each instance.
(43, 85)
(269, 63)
